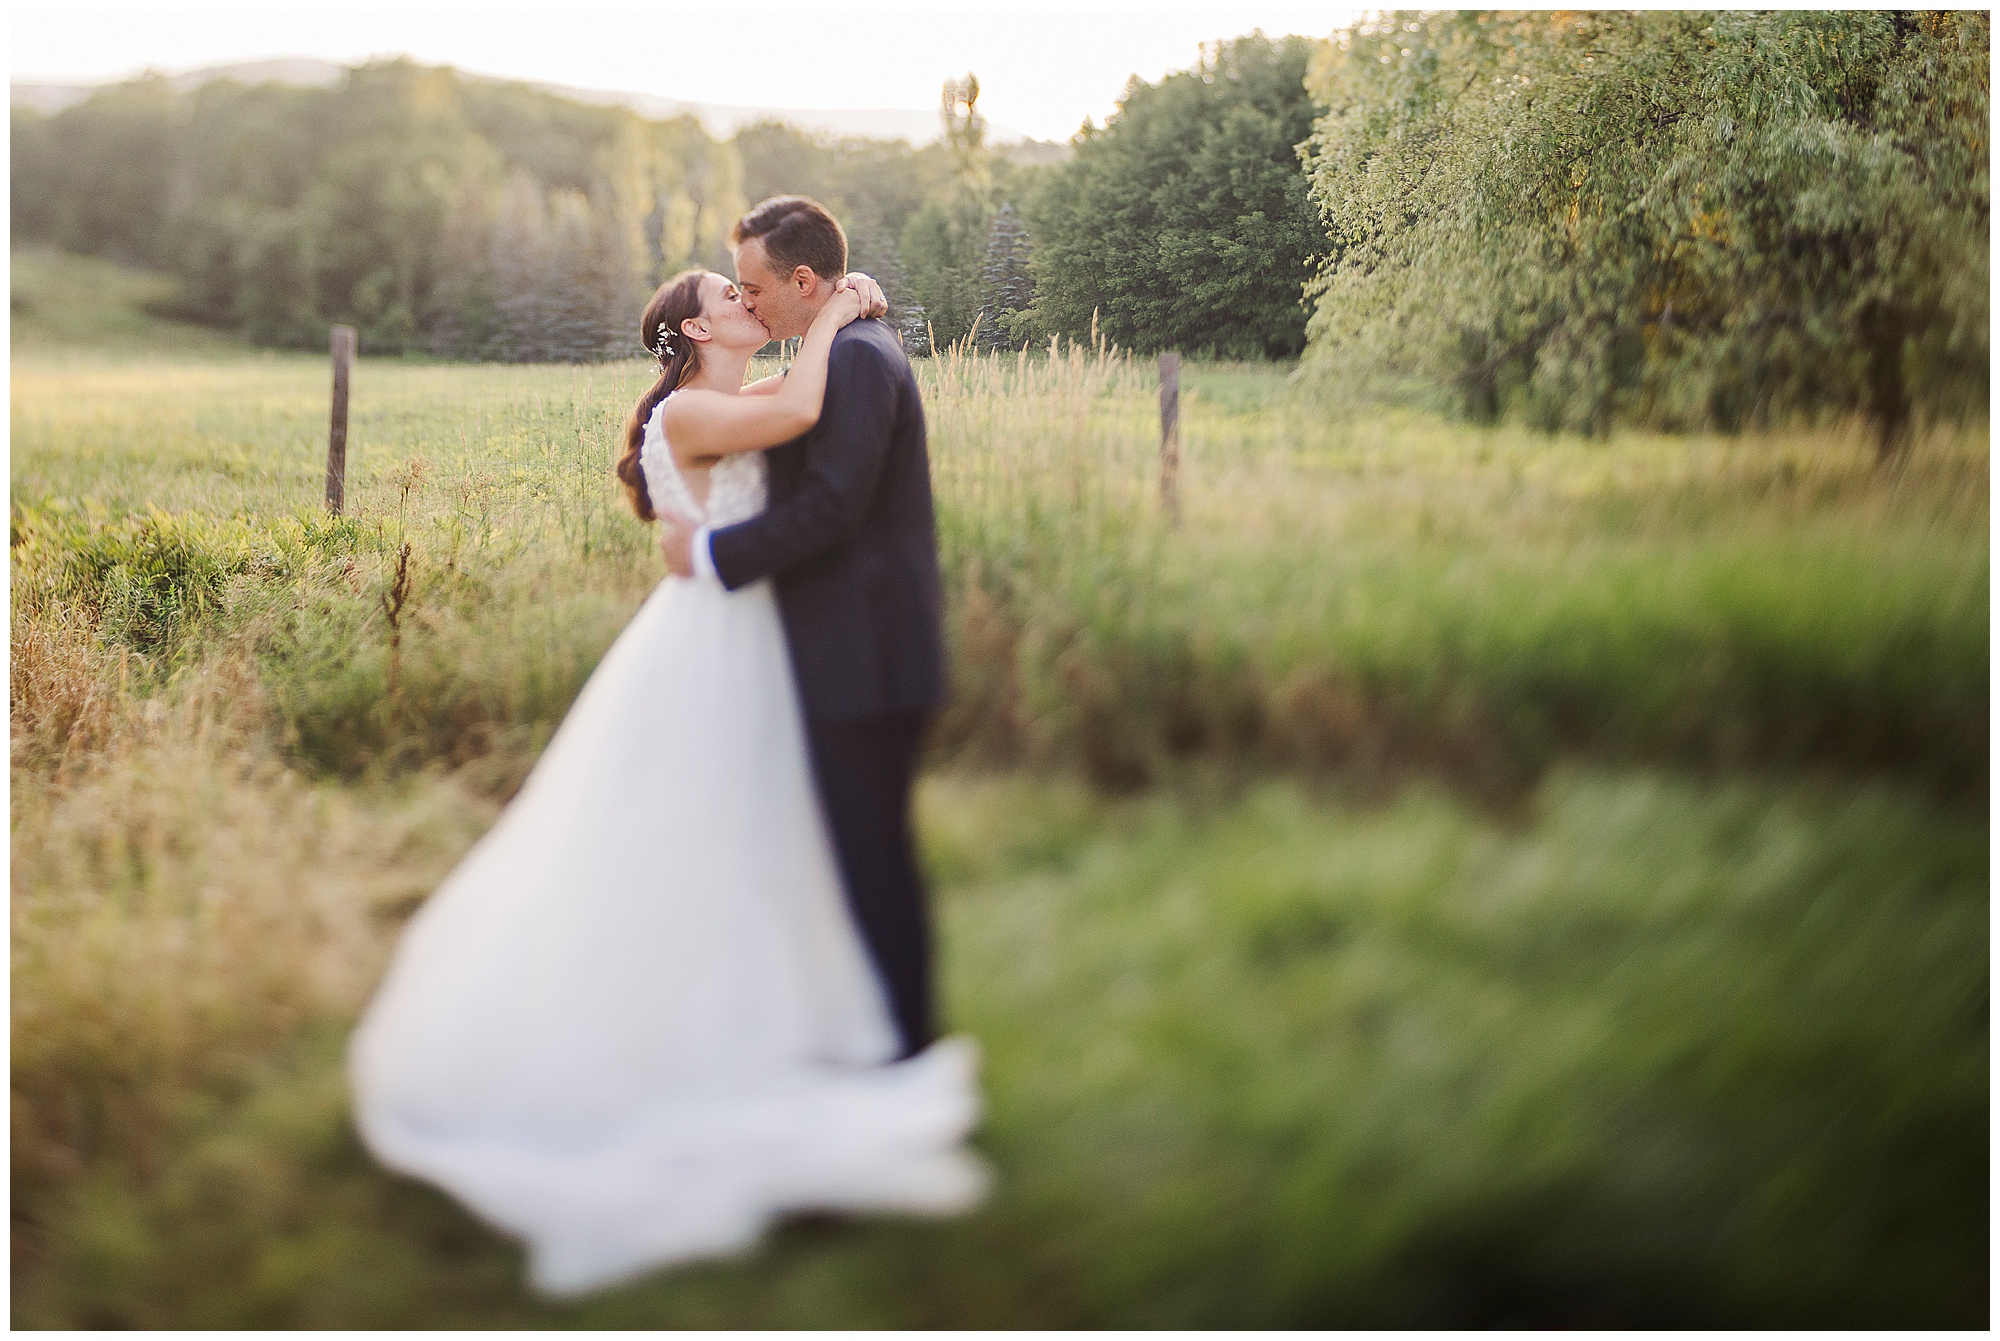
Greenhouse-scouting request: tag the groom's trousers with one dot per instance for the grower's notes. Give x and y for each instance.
(865, 768)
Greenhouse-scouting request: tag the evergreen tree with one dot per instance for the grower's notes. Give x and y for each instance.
(944, 249)
(519, 264)
(462, 315)
(581, 282)
(872, 249)
(1007, 292)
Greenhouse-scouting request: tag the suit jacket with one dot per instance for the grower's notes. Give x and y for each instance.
(850, 539)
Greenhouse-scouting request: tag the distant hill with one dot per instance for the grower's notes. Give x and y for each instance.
(718, 119)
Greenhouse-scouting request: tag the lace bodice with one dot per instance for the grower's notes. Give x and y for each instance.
(735, 483)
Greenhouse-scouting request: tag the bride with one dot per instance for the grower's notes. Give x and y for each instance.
(636, 1023)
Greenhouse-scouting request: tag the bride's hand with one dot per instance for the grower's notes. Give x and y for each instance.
(875, 303)
(845, 305)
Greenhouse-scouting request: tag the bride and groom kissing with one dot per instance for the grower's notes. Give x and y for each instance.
(683, 985)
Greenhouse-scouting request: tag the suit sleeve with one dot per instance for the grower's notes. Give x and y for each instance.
(842, 466)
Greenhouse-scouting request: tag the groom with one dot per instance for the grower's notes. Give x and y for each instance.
(850, 543)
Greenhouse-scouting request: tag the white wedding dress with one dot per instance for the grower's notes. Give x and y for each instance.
(636, 1023)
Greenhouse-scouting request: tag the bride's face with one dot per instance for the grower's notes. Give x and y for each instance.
(730, 325)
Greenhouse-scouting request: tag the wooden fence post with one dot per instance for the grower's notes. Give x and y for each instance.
(1170, 435)
(336, 439)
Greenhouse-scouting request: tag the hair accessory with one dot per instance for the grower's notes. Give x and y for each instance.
(663, 348)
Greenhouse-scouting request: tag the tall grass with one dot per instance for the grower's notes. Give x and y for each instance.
(1544, 1030)
(1367, 597)
(1356, 594)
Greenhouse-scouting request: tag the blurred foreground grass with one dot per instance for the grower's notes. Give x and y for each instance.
(1651, 1054)
(1455, 877)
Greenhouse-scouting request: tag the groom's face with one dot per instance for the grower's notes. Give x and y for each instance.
(785, 303)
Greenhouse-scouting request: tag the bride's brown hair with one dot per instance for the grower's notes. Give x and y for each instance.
(680, 358)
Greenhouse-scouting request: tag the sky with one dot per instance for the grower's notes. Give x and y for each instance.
(1041, 72)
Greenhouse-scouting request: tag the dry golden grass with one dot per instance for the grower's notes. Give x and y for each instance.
(184, 908)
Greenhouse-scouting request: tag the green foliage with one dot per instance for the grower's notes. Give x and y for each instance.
(872, 186)
(944, 245)
(1670, 218)
(1184, 223)
(96, 178)
(944, 252)
(1007, 290)
(473, 218)
(846, 175)
(142, 580)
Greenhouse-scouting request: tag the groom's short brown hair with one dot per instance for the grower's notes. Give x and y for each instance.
(796, 231)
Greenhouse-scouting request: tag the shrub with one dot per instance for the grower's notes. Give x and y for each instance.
(142, 580)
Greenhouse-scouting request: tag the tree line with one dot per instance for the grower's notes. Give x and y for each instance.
(464, 217)
(1576, 219)
(1678, 219)
(474, 218)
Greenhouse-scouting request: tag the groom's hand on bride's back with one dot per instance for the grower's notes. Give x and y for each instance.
(677, 547)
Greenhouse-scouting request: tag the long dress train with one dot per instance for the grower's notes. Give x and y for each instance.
(635, 1023)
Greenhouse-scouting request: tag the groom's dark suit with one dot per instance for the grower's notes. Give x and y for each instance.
(850, 541)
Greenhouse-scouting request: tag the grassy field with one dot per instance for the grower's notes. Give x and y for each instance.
(1453, 877)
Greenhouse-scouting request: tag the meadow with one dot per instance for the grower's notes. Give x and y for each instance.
(1451, 876)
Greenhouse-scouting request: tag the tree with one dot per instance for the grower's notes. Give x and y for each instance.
(276, 302)
(697, 187)
(965, 132)
(1670, 218)
(519, 263)
(98, 177)
(944, 244)
(873, 187)
(1185, 223)
(1007, 292)
(944, 249)
(584, 282)
(462, 317)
